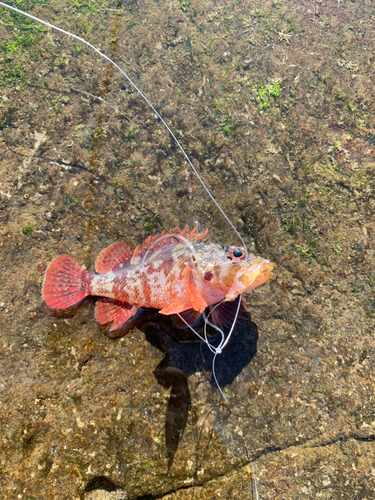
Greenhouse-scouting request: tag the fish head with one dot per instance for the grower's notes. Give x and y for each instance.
(231, 270)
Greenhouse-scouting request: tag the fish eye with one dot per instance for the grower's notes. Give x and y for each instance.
(236, 254)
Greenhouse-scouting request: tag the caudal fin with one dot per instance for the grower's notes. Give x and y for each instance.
(65, 284)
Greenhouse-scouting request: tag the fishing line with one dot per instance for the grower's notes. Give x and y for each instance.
(82, 40)
(252, 470)
(219, 349)
(255, 482)
(224, 341)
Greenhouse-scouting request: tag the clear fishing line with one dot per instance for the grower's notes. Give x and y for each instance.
(224, 341)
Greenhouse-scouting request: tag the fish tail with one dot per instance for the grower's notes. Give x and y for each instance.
(66, 283)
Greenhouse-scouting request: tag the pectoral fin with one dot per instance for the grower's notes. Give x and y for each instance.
(195, 297)
(224, 314)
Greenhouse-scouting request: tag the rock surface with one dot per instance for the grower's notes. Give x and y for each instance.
(274, 103)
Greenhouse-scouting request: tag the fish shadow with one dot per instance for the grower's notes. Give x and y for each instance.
(184, 355)
(184, 358)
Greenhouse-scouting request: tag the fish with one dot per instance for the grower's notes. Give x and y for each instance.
(178, 272)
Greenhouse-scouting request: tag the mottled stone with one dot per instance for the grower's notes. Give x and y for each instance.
(274, 102)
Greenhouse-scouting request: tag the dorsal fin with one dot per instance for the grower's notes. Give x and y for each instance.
(168, 240)
(113, 258)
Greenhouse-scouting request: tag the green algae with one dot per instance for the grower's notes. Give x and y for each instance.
(27, 230)
(262, 93)
(150, 221)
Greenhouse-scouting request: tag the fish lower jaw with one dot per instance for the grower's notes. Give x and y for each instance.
(233, 295)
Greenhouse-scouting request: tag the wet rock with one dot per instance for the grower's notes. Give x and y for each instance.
(275, 107)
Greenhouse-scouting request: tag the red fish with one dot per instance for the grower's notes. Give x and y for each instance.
(176, 272)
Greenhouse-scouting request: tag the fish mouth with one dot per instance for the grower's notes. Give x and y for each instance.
(260, 272)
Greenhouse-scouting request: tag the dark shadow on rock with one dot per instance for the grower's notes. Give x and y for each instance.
(178, 405)
(185, 355)
(100, 483)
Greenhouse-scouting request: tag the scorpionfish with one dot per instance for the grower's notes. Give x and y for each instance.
(177, 272)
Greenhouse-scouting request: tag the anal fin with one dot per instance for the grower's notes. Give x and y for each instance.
(175, 308)
(120, 313)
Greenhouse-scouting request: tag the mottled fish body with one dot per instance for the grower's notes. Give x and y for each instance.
(177, 272)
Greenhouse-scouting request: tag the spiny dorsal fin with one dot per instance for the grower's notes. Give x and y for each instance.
(113, 258)
(168, 240)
